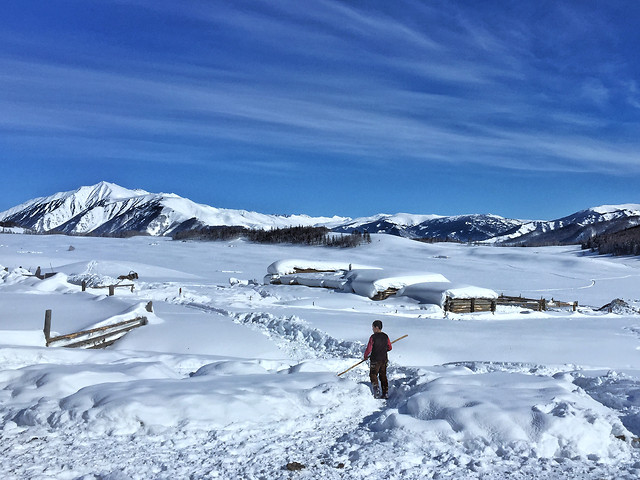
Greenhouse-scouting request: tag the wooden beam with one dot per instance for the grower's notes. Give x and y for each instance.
(47, 326)
(71, 336)
(99, 341)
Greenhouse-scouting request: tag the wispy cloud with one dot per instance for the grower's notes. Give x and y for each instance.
(431, 84)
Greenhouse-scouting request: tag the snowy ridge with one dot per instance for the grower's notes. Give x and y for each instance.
(110, 210)
(574, 228)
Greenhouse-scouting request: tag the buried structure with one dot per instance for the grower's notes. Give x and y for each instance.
(427, 288)
(379, 284)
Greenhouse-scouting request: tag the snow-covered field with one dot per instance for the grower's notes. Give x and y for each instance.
(235, 379)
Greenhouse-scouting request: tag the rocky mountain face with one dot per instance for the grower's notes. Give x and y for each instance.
(110, 210)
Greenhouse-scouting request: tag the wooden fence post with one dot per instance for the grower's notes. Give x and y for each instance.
(112, 290)
(47, 326)
(84, 285)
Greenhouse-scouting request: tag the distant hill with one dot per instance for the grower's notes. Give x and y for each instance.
(625, 242)
(575, 228)
(110, 210)
(460, 228)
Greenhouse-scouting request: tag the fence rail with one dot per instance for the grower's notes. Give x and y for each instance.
(535, 304)
(112, 288)
(470, 305)
(99, 337)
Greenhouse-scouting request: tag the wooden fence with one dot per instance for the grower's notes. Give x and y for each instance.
(100, 337)
(535, 304)
(470, 305)
(112, 288)
(384, 294)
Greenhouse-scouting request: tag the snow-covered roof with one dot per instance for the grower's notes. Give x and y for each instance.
(437, 292)
(335, 280)
(369, 282)
(286, 267)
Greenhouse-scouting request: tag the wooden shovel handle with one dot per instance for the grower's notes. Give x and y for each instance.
(362, 361)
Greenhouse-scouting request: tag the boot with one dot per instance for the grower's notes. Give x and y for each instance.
(376, 391)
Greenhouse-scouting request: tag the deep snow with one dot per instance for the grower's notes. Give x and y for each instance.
(235, 379)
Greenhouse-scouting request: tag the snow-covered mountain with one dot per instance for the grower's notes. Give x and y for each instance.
(572, 229)
(575, 228)
(461, 228)
(108, 209)
(464, 228)
(398, 224)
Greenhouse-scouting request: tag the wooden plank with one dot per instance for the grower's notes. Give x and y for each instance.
(384, 294)
(47, 325)
(99, 340)
(311, 270)
(117, 285)
(469, 305)
(71, 336)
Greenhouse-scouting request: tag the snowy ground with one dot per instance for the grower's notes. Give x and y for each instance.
(235, 379)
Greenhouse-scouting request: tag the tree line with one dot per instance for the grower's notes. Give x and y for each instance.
(320, 236)
(625, 242)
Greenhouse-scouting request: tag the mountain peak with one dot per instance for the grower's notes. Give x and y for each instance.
(107, 190)
(109, 209)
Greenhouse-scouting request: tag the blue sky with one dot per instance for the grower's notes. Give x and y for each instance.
(525, 109)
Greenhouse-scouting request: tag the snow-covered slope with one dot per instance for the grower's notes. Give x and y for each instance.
(574, 228)
(396, 224)
(108, 209)
(462, 228)
(489, 228)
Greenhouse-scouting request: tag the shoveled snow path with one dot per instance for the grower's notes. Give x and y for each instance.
(292, 334)
(361, 443)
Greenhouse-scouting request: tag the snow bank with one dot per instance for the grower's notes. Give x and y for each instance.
(509, 411)
(437, 292)
(369, 282)
(226, 394)
(95, 273)
(14, 276)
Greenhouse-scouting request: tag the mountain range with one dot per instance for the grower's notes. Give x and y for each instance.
(110, 210)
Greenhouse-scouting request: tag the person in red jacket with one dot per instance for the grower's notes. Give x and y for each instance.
(377, 348)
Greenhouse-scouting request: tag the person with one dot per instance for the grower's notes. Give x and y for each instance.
(377, 348)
